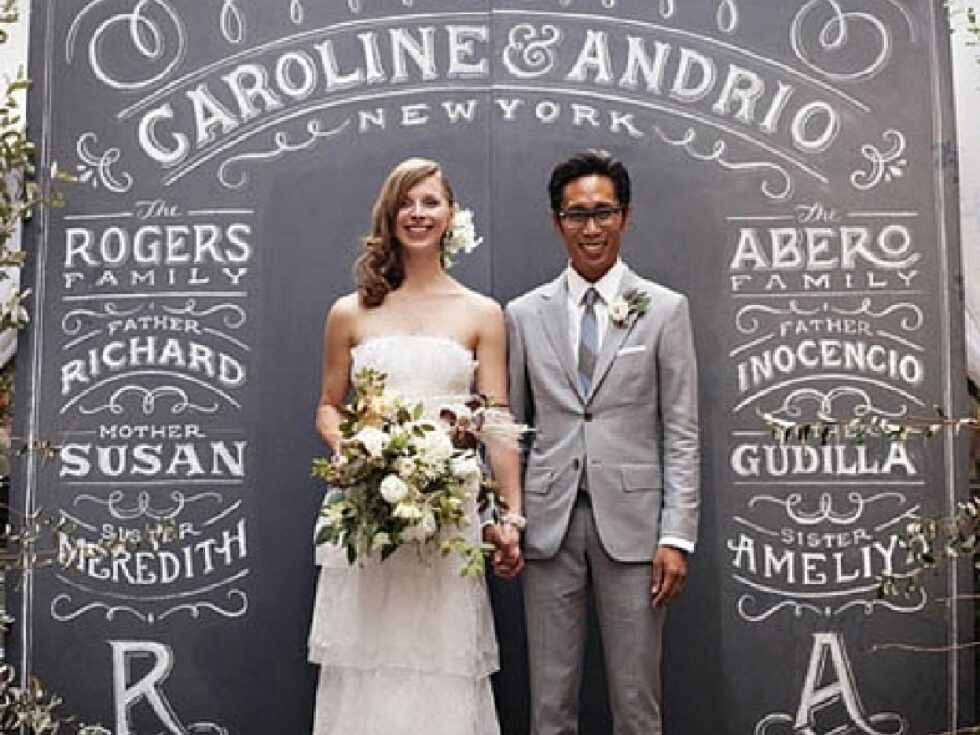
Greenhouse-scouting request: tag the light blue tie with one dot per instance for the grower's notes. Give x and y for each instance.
(588, 341)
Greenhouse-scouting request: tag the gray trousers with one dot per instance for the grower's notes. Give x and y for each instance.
(555, 598)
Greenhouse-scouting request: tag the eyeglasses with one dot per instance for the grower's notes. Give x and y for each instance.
(576, 219)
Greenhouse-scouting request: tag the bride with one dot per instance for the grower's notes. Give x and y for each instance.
(407, 646)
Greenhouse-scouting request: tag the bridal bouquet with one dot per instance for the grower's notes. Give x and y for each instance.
(401, 478)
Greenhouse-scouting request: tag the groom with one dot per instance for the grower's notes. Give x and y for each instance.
(602, 366)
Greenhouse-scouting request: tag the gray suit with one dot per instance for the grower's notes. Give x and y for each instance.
(632, 442)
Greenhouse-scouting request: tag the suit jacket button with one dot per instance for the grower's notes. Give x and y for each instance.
(576, 464)
(587, 416)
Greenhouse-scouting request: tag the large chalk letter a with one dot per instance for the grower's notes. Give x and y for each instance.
(820, 692)
(127, 694)
(841, 687)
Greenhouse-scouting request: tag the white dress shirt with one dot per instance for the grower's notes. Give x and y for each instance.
(608, 287)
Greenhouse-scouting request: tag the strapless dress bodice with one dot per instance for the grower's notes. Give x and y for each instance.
(418, 366)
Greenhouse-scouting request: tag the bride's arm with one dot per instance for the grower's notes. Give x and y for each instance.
(338, 338)
(491, 380)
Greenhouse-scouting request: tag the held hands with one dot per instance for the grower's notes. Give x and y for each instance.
(669, 573)
(507, 559)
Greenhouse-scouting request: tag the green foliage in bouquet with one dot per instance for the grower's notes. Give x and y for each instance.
(402, 478)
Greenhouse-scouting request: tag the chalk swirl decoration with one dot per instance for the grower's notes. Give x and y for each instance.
(74, 321)
(147, 401)
(858, 401)
(827, 29)
(825, 511)
(776, 183)
(233, 316)
(143, 507)
(231, 20)
(151, 31)
(283, 144)
(727, 16)
(886, 165)
(96, 169)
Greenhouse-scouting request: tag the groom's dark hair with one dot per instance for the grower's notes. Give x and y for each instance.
(589, 163)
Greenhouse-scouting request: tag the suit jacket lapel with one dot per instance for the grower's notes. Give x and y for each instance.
(553, 312)
(614, 338)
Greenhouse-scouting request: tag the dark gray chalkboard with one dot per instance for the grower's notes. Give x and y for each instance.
(789, 163)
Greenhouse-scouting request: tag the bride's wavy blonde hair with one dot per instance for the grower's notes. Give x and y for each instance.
(379, 268)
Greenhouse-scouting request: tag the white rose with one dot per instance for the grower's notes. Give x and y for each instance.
(407, 511)
(405, 466)
(393, 489)
(618, 310)
(373, 439)
(387, 402)
(462, 233)
(436, 446)
(463, 218)
(466, 468)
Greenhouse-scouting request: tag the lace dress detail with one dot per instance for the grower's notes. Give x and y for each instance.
(405, 647)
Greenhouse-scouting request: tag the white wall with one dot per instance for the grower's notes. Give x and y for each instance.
(966, 81)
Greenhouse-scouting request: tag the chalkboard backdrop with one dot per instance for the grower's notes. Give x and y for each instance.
(790, 161)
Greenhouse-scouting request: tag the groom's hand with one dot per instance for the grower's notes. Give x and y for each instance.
(506, 558)
(669, 573)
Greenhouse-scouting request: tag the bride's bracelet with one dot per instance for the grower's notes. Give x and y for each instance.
(514, 519)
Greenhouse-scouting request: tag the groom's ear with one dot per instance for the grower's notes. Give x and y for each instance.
(627, 218)
(555, 220)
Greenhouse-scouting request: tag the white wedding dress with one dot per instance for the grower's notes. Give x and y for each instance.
(406, 647)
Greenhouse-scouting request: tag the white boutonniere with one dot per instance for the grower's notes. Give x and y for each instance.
(631, 303)
(460, 237)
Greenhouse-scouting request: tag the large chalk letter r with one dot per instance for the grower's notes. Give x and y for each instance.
(126, 693)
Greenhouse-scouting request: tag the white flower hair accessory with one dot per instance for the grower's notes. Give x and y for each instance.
(460, 236)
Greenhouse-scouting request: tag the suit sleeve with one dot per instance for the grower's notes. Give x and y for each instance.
(678, 374)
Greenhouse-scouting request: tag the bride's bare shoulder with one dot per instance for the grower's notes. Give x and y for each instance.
(350, 302)
(344, 315)
(346, 307)
(479, 304)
